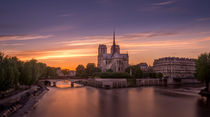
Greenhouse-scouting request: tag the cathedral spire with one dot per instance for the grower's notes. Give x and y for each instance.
(114, 38)
(114, 44)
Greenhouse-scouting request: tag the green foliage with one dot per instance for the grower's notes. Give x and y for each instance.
(152, 75)
(31, 71)
(80, 71)
(203, 68)
(9, 72)
(135, 71)
(112, 75)
(159, 75)
(14, 72)
(109, 70)
(42, 69)
(89, 71)
(51, 72)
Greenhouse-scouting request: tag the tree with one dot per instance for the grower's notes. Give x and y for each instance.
(80, 71)
(203, 69)
(51, 72)
(14, 72)
(91, 69)
(42, 69)
(9, 72)
(31, 71)
(135, 71)
(159, 75)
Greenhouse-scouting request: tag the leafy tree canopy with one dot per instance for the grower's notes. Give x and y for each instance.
(203, 68)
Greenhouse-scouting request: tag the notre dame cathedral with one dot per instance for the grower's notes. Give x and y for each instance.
(115, 61)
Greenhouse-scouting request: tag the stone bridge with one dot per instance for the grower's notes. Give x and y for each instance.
(52, 82)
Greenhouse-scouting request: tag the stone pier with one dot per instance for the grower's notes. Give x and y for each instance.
(149, 82)
(107, 83)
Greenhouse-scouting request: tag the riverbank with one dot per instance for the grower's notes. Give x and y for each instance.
(29, 106)
(17, 105)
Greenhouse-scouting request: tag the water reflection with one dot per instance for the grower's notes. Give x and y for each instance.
(202, 108)
(112, 102)
(63, 84)
(127, 102)
(67, 84)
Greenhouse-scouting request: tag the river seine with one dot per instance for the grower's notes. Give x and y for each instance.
(125, 102)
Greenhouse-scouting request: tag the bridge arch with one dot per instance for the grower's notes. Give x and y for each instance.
(53, 82)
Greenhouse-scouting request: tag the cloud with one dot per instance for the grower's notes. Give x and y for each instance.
(160, 7)
(141, 35)
(56, 28)
(23, 37)
(164, 3)
(142, 44)
(65, 56)
(11, 44)
(94, 41)
(53, 54)
(203, 19)
(107, 39)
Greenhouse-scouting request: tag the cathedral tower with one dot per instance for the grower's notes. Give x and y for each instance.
(102, 49)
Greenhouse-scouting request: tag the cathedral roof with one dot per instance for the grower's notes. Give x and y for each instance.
(115, 56)
(107, 56)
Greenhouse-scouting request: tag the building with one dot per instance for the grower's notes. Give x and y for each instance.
(59, 72)
(174, 67)
(115, 61)
(71, 73)
(143, 66)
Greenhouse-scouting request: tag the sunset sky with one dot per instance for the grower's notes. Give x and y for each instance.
(65, 33)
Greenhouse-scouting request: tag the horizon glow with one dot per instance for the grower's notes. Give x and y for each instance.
(66, 34)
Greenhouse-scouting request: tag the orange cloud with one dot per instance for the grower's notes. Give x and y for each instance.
(68, 54)
(23, 37)
(164, 3)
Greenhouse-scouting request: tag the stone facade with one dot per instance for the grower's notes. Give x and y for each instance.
(59, 72)
(71, 73)
(174, 67)
(108, 83)
(143, 66)
(115, 61)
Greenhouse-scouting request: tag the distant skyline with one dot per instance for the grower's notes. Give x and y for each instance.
(65, 33)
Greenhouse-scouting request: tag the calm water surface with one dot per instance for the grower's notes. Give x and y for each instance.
(127, 102)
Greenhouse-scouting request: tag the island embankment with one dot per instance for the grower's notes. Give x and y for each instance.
(19, 104)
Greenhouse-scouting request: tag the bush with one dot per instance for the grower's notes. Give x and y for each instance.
(112, 75)
(152, 75)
